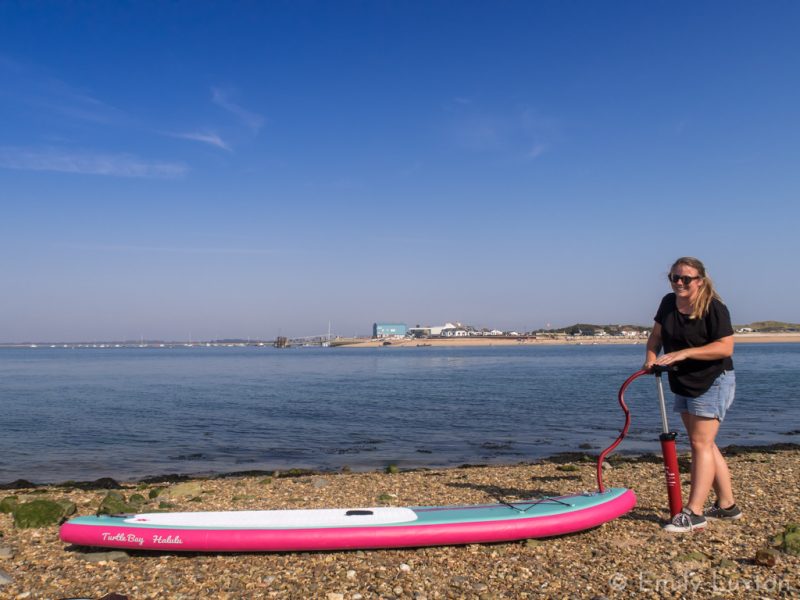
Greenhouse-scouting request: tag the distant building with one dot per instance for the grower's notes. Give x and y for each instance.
(436, 330)
(454, 332)
(419, 332)
(385, 330)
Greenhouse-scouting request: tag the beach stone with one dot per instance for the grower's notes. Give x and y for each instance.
(766, 557)
(104, 483)
(533, 542)
(335, 596)
(114, 503)
(726, 563)
(8, 503)
(19, 484)
(5, 552)
(39, 513)
(96, 557)
(188, 488)
(692, 556)
(351, 574)
(68, 507)
(5, 578)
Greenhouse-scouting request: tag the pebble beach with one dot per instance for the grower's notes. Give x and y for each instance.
(630, 557)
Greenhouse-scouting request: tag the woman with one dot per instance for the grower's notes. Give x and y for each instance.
(694, 328)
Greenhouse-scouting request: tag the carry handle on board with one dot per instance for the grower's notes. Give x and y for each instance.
(667, 439)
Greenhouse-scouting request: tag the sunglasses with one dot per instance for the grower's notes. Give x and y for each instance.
(684, 279)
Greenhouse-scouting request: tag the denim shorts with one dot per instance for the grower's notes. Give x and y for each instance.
(714, 402)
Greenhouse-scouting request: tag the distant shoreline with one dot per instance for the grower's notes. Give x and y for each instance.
(744, 338)
(364, 342)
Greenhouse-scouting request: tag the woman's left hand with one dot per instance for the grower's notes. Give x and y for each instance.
(672, 357)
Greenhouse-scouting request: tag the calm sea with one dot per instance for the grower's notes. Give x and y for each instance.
(135, 412)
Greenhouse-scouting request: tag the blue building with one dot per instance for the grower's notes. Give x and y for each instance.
(382, 330)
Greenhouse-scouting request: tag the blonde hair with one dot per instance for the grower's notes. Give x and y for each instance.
(706, 293)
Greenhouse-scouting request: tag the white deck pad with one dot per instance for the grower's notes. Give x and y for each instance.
(278, 519)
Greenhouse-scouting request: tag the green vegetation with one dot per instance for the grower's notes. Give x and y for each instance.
(771, 327)
(8, 503)
(789, 539)
(41, 513)
(114, 503)
(568, 468)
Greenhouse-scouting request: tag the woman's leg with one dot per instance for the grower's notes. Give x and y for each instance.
(702, 433)
(722, 481)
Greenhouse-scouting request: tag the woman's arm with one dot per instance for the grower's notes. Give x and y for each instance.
(721, 348)
(653, 346)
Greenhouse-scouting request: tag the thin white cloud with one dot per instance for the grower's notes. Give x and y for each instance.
(63, 98)
(222, 98)
(537, 151)
(207, 138)
(481, 133)
(64, 161)
(524, 133)
(35, 87)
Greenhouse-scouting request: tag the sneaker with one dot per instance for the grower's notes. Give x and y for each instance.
(685, 521)
(727, 514)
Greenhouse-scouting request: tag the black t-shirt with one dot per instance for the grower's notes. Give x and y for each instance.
(693, 377)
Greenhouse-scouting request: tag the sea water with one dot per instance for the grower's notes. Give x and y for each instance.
(83, 413)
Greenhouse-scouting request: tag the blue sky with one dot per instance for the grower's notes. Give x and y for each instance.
(251, 169)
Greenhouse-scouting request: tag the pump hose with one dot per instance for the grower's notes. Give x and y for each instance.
(624, 432)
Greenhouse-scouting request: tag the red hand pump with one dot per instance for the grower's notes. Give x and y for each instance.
(667, 439)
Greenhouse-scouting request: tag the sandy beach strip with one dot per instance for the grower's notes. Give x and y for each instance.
(465, 342)
(630, 557)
